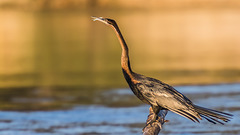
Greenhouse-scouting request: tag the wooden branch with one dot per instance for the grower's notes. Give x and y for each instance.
(155, 127)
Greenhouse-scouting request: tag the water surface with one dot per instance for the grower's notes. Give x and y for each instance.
(60, 71)
(102, 119)
(66, 48)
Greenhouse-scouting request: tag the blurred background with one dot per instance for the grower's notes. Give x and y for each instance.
(60, 71)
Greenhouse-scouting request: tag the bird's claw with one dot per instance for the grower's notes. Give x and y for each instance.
(166, 120)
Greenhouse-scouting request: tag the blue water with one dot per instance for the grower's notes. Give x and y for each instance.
(100, 119)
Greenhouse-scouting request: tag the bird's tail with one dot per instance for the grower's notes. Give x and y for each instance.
(213, 116)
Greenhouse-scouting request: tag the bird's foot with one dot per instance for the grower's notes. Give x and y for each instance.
(166, 120)
(159, 118)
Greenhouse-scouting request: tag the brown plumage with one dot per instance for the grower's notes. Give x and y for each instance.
(158, 94)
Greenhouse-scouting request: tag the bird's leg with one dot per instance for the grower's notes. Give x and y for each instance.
(156, 110)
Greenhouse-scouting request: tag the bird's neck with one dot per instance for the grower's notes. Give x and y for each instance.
(125, 62)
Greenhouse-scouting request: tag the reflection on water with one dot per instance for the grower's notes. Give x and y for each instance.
(62, 71)
(68, 49)
(59, 59)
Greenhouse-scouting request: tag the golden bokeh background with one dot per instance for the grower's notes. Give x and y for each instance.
(55, 48)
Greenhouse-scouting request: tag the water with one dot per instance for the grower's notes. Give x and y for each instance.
(102, 119)
(60, 71)
(66, 48)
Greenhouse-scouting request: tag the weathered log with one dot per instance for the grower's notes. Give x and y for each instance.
(154, 128)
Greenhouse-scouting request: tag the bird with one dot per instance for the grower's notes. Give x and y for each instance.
(159, 95)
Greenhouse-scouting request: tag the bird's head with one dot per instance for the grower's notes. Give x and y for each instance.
(104, 20)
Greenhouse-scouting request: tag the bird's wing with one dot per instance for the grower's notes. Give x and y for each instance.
(177, 103)
(147, 93)
(156, 91)
(164, 95)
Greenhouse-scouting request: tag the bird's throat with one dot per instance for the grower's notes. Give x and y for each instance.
(125, 63)
(126, 68)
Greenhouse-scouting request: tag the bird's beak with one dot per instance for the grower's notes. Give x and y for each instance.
(101, 19)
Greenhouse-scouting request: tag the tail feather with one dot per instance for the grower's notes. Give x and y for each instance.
(212, 120)
(184, 114)
(208, 119)
(189, 113)
(213, 116)
(210, 110)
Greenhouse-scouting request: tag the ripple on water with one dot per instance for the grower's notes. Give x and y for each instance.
(94, 119)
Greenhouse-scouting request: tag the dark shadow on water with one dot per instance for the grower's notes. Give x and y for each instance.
(57, 98)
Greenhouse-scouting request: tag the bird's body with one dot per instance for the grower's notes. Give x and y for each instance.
(158, 94)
